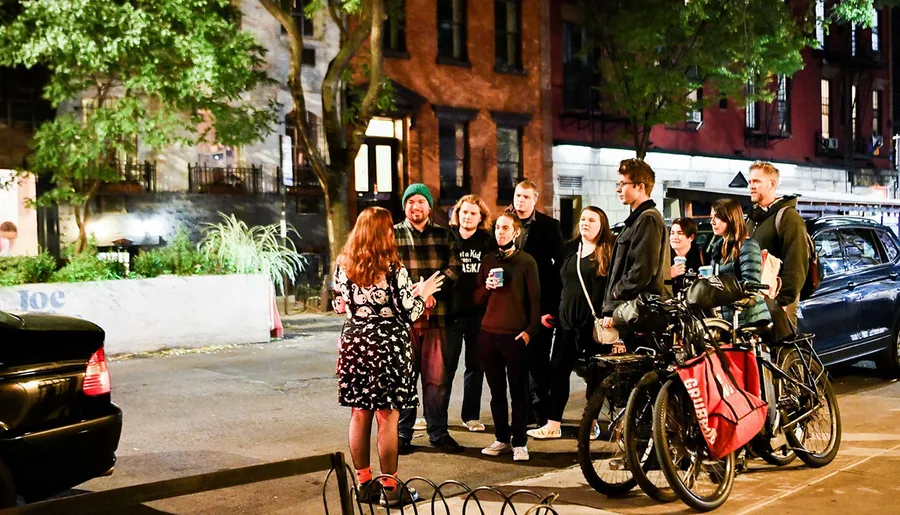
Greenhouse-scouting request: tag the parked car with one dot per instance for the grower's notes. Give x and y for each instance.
(855, 312)
(58, 425)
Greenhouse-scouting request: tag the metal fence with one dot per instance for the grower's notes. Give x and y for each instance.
(437, 500)
(225, 180)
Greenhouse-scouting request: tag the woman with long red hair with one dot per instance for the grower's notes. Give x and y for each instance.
(375, 365)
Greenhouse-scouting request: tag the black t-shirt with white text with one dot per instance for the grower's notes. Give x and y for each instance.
(471, 253)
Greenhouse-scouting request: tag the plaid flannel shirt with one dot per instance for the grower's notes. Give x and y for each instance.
(427, 252)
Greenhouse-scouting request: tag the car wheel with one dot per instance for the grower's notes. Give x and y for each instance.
(7, 487)
(889, 361)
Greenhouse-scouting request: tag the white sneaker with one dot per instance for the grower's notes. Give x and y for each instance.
(474, 425)
(520, 453)
(420, 424)
(595, 430)
(497, 448)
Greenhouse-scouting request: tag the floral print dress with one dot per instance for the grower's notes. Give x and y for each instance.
(375, 364)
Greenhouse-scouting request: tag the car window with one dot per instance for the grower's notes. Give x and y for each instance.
(828, 247)
(890, 246)
(860, 249)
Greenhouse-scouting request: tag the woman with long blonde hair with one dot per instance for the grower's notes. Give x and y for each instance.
(590, 251)
(375, 373)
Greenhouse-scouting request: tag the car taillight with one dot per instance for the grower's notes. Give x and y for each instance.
(96, 377)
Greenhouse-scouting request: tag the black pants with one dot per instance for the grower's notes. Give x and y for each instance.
(467, 330)
(538, 362)
(569, 344)
(504, 360)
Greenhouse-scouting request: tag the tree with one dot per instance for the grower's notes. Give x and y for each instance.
(148, 71)
(344, 116)
(857, 11)
(653, 54)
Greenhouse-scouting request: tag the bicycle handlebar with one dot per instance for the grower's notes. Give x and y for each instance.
(748, 286)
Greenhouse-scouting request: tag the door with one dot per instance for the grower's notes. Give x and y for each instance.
(376, 175)
(831, 307)
(872, 284)
(569, 213)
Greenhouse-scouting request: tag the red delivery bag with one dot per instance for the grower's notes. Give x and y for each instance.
(726, 399)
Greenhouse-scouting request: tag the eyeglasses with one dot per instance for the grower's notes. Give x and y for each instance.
(620, 185)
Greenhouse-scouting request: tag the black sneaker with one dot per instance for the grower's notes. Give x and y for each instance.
(405, 447)
(369, 492)
(448, 445)
(399, 496)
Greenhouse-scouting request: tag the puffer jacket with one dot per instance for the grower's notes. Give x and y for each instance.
(749, 268)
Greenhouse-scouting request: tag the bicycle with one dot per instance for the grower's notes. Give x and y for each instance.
(796, 387)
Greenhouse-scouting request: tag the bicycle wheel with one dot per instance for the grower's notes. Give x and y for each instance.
(603, 460)
(812, 423)
(639, 449)
(703, 483)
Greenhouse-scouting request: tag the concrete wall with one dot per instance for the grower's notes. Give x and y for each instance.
(151, 314)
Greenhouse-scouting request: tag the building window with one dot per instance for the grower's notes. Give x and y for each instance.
(395, 27)
(309, 56)
(297, 8)
(853, 111)
(820, 24)
(876, 36)
(454, 152)
(580, 83)
(695, 115)
(876, 113)
(826, 108)
(783, 100)
(508, 34)
(451, 19)
(509, 161)
(751, 118)
(853, 39)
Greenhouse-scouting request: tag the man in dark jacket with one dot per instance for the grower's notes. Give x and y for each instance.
(640, 260)
(786, 242)
(541, 238)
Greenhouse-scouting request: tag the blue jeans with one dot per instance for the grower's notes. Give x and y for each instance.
(467, 330)
(429, 348)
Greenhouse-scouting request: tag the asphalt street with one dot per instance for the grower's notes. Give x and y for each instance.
(195, 412)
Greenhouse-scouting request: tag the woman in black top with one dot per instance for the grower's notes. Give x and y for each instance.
(686, 256)
(591, 249)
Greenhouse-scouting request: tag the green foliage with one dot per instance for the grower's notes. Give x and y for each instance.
(151, 70)
(180, 257)
(87, 267)
(26, 269)
(237, 248)
(656, 52)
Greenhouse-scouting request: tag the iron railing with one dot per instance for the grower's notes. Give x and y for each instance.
(225, 179)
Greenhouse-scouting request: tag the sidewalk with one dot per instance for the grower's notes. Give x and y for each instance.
(863, 478)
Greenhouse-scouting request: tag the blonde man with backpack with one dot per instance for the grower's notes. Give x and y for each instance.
(778, 228)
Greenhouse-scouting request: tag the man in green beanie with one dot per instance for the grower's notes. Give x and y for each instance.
(426, 248)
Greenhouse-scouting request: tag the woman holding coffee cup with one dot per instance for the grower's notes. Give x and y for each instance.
(508, 283)
(686, 256)
(584, 272)
(735, 253)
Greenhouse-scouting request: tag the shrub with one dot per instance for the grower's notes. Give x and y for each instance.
(26, 269)
(150, 264)
(87, 267)
(236, 248)
(180, 257)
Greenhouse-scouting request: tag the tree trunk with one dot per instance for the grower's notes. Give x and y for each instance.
(81, 216)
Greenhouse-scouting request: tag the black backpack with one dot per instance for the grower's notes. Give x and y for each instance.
(813, 274)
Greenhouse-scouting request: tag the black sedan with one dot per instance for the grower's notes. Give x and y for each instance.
(58, 426)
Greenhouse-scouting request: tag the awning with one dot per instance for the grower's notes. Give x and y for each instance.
(808, 202)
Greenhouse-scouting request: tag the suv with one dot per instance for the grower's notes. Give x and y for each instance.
(58, 426)
(855, 312)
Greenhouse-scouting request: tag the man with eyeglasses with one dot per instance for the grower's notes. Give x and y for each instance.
(640, 260)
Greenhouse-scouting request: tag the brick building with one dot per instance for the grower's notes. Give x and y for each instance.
(827, 130)
(473, 104)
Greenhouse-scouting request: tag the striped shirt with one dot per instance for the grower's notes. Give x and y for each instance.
(424, 253)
